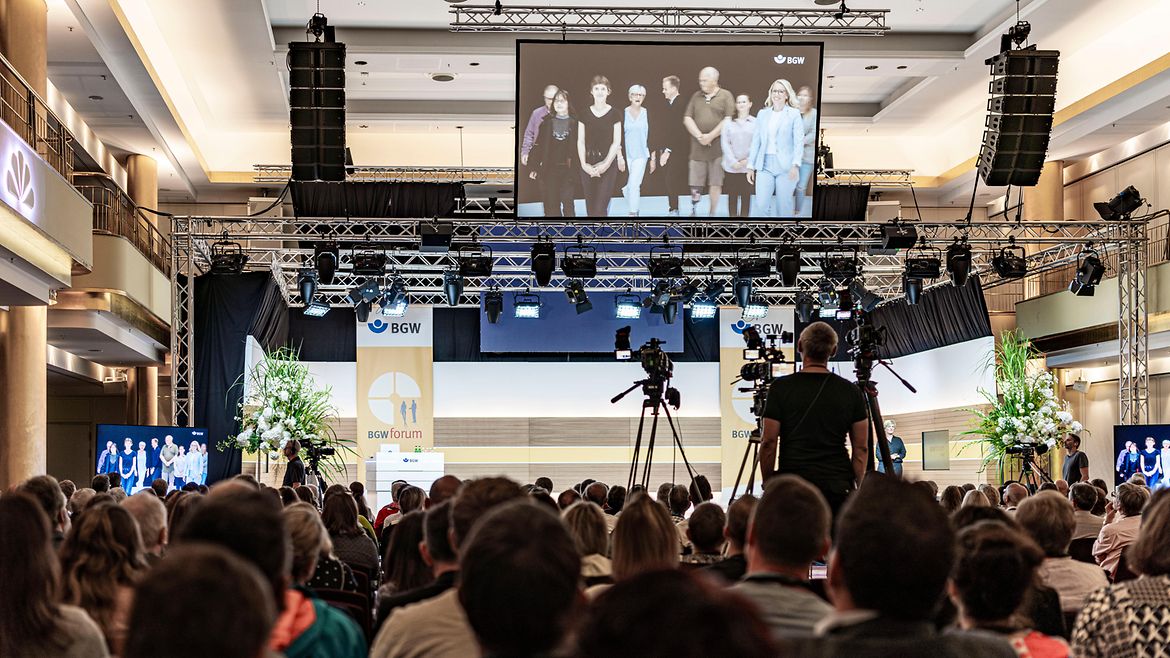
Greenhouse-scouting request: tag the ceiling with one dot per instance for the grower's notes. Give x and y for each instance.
(203, 85)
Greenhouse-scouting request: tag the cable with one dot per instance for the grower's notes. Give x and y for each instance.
(971, 205)
(274, 204)
(915, 197)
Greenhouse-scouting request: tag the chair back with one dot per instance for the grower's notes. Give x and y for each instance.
(355, 604)
(1081, 550)
(1123, 572)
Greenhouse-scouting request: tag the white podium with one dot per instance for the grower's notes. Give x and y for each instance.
(420, 469)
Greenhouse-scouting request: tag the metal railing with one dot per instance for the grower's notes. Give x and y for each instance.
(114, 213)
(28, 114)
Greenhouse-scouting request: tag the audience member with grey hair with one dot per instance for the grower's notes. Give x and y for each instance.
(1048, 518)
(151, 516)
(1123, 519)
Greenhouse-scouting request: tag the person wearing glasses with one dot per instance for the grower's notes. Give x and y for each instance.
(777, 151)
(534, 121)
(599, 141)
(554, 158)
(635, 140)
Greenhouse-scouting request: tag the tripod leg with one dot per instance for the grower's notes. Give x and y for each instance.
(650, 450)
(879, 432)
(751, 485)
(739, 475)
(678, 442)
(637, 449)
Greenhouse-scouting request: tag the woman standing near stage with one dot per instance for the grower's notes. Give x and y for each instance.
(808, 113)
(599, 141)
(736, 141)
(635, 138)
(777, 150)
(553, 158)
(1151, 464)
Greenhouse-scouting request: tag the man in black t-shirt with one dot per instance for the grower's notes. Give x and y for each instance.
(806, 420)
(1076, 463)
(294, 475)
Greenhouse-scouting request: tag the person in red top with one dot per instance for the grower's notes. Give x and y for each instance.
(388, 510)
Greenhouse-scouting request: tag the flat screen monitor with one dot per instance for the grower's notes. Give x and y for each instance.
(641, 129)
(141, 454)
(1141, 450)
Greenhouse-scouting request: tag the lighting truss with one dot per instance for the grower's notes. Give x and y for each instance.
(278, 174)
(627, 20)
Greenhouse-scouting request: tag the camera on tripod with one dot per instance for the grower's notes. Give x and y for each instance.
(765, 357)
(1026, 450)
(864, 339)
(655, 362)
(318, 450)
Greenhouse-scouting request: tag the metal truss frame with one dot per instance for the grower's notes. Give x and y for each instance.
(671, 20)
(710, 248)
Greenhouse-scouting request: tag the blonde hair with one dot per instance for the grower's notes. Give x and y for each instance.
(586, 524)
(309, 539)
(787, 90)
(644, 539)
(818, 342)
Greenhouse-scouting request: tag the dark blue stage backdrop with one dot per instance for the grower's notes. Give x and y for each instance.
(1142, 449)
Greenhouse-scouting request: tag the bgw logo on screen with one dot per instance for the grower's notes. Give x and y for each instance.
(378, 327)
(781, 59)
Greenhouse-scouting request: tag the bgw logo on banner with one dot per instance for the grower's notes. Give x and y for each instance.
(379, 327)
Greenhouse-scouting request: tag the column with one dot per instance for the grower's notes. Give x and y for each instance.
(22, 437)
(147, 395)
(23, 38)
(142, 180)
(1043, 202)
(142, 383)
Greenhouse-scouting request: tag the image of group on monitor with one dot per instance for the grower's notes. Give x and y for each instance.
(139, 461)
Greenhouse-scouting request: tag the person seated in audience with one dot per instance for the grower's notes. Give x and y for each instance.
(68, 488)
(598, 493)
(586, 524)
(789, 529)
(1132, 618)
(1062, 487)
(994, 569)
(33, 621)
(1102, 497)
(705, 533)
(976, 498)
(678, 501)
(614, 501)
(440, 557)
(542, 497)
(1084, 498)
(403, 567)
(644, 539)
(672, 613)
(894, 552)
(358, 490)
(389, 509)
(179, 507)
(231, 618)
(663, 495)
(438, 627)
(951, 499)
(115, 481)
(1013, 494)
(100, 483)
(410, 499)
(79, 500)
(991, 493)
(308, 534)
(159, 487)
(241, 520)
(733, 566)
(364, 524)
(1123, 519)
(47, 492)
(150, 514)
(1048, 486)
(544, 483)
(519, 548)
(700, 490)
(288, 496)
(444, 489)
(1048, 518)
(305, 494)
(567, 499)
(118, 494)
(351, 544)
(101, 562)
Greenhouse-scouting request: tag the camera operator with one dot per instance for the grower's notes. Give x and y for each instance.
(294, 475)
(807, 417)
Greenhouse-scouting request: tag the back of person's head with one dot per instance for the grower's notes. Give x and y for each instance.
(817, 343)
(119, 494)
(115, 479)
(519, 549)
(1083, 496)
(305, 494)
(894, 550)
(700, 490)
(248, 479)
(586, 524)
(616, 498)
(402, 563)
(679, 500)
(335, 489)
(358, 490)
(967, 486)
(951, 499)
(288, 496)
(1148, 555)
(596, 492)
(1138, 479)
(411, 499)
(47, 492)
(159, 487)
(246, 524)
(443, 489)
(395, 487)
(1048, 518)
(28, 597)
(1048, 486)
(68, 488)
(435, 526)
(100, 483)
(541, 496)
(340, 515)
(994, 569)
(233, 621)
(672, 613)
(663, 495)
(474, 500)
(1132, 498)
(928, 488)
(705, 528)
(1100, 484)
(1014, 494)
(972, 514)
(179, 506)
(151, 516)
(644, 539)
(308, 539)
(79, 500)
(975, 498)
(739, 515)
(991, 493)
(790, 525)
(101, 554)
(544, 483)
(567, 498)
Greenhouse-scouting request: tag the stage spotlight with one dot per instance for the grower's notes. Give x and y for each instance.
(827, 299)
(628, 306)
(659, 296)
(959, 262)
(788, 264)
(743, 291)
(362, 311)
(923, 267)
(1120, 206)
(714, 290)
(670, 312)
(526, 305)
(753, 265)
(1089, 273)
(499, 8)
(665, 262)
(704, 309)
(579, 262)
(895, 235)
(840, 267)
(474, 261)
(326, 257)
(575, 291)
(307, 284)
(863, 297)
(369, 263)
(755, 309)
(316, 309)
(395, 300)
(493, 305)
(544, 261)
(912, 288)
(452, 287)
(805, 308)
(1010, 262)
(227, 258)
(840, 13)
(367, 292)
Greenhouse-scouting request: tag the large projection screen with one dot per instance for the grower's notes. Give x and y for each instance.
(602, 154)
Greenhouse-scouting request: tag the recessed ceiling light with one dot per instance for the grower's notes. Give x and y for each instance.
(474, 64)
(824, 3)
(871, 67)
(95, 351)
(442, 77)
(96, 98)
(363, 125)
(903, 67)
(360, 62)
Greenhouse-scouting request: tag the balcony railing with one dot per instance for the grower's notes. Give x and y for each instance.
(115, 214)
(28, 114)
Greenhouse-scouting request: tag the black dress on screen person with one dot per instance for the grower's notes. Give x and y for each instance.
(554, 159)
(599, 140)
(669, 135)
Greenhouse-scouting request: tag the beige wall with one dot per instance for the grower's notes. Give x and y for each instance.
(119, 266)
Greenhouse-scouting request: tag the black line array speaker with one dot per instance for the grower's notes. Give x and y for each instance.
(1019, 116)
(316, 99)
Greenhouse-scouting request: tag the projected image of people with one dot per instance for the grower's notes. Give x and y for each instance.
(145, 457)
(1151, 463)
(711, 145)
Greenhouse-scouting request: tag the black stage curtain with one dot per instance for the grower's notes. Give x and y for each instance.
(457, 339)
(228, 308)
(329, 338)
(424, 199)
(944, 316)
(374, 199)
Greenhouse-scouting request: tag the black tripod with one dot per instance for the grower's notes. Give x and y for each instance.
(752, 449)
(863, 368)
(653, 388)
(1032, 474)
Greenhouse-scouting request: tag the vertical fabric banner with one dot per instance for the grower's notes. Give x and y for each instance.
(395, 384)
(737, 421)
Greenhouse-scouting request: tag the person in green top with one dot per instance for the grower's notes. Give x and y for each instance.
(704, 118)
